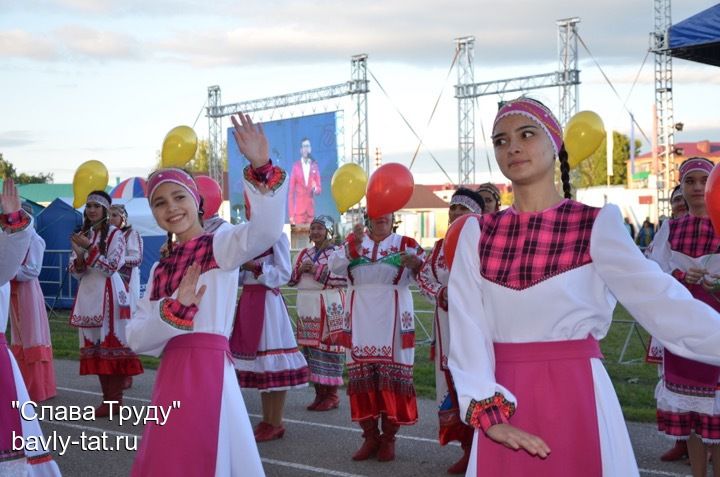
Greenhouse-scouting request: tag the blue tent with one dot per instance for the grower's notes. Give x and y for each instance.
(55, 224)
(698, 37)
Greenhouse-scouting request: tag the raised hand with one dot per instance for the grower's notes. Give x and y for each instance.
(516, 439)
(9, 198)
(251, 140)
(187, 294)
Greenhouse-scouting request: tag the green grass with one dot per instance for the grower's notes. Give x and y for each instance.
(634, 381)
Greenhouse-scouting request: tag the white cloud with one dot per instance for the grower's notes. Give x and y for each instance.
(16, 138)
(22, 44)
(97, 44)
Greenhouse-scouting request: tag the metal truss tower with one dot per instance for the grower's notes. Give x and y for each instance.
(215, 136)
(568, 68)
(359, 90)
(466, 111)
(665, 134)
(357, 87)
(567, 78)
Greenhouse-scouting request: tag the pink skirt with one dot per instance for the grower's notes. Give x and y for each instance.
(553, 384)
(191, 372)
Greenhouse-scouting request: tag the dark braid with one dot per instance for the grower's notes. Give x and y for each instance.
(565, 172)
(169, 242)
(104, 228)
(201, 210)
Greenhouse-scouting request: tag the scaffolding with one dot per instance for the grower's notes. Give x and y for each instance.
(567, 79)
(357, 88)
(665, 131)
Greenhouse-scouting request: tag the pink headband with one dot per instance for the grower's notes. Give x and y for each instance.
(538, 113)
(695, 164)
(98, 199)
(176, 176)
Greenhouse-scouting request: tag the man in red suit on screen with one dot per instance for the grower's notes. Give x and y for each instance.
(304, 186)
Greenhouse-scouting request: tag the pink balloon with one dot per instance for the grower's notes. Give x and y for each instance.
(389, 189)
(712, 198)
(211, 193)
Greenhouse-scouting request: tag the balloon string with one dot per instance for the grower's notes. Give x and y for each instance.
(199, 113)
(452, 65)
(612, 86)
(407, 123)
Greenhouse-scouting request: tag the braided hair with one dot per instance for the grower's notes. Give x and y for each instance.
(565, 172)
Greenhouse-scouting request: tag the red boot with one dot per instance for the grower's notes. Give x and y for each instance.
(372, 440)
(461, 466)
(386, 453)
(103, 410)
(678, 452)
(319, 395)
(330, 399)
(113, 392)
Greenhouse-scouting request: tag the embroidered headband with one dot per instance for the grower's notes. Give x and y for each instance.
(176, 176)
(120, 210)
(677, 191)
(538, 113)
(98, 199)
(490, 188)
(469, 199)
(325, 221)
(695, 164)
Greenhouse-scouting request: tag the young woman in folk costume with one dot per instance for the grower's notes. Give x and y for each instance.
(187, 315)
(531, 290)
(491, 196)
(29, 326)
(266, 354)
(320, 309)
(130, 271)
(15, 237)
(379, 331)
(101, 310)
(433, 281)
(688, 403)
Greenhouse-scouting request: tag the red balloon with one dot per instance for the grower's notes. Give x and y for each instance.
(211, 193)
(712, 198)
(389, 189)
(452, 236)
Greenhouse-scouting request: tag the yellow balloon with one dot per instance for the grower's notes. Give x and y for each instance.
(348, 186)
(584, 133)
(179, 146)
(89, 176)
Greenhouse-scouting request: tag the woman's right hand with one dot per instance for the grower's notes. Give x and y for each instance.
(516, 439)
(694, 275)
(186, 290)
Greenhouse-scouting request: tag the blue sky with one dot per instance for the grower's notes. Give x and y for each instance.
(105, 80)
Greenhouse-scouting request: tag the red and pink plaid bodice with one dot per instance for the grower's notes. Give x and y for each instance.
(171, 269)
(519, 250)
(693, 236)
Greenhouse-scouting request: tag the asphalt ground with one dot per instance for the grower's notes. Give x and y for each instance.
(314, 443)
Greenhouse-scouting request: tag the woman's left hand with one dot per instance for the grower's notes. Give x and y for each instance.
(410, 261)
(186, 290)
(81, 240)
(711, 282)
(251, 140)
(9, 198)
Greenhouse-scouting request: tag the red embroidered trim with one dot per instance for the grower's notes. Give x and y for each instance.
(93, 254)
(270, 176)
(176, 314)
(488, 412)
(14, 222)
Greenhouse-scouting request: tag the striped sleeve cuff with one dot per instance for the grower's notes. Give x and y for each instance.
(177, 315)
(15, 221)
(488, 412)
